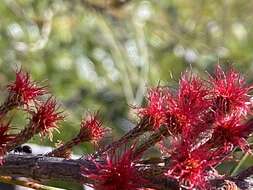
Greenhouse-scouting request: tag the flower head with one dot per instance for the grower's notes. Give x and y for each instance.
(23, 89)
(192, 97)
(46, 117)
(91, 129)
(156, 107)
(115, 173)
(229, 91)
(229, 132)
(190, 173)
(191, 168)
(189, 104)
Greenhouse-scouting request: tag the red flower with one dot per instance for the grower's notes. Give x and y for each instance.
(175, 111)
(229, 132)
(46, 117)
(23, 89)
(190, 173)
(192, 97)
(156, 107)
(190, 103)
(115, 173)
(91, 129)
(230, 92)
(192, 168)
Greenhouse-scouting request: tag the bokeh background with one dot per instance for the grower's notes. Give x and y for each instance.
(103, 54)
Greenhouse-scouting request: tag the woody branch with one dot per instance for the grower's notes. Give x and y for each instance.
(45, 168)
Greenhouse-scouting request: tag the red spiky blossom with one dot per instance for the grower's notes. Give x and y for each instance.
(192, 97)
(23, 89)
(230, 92)
(156, 107)
(178, 110)
(230, 132)
(91, 129)
(192, 168)
(115, 173)
(46, 117)
(209, 125)
(190, 173)
(189, 104)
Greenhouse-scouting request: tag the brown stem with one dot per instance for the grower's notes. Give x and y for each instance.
(6, 107)
(151, 141)
(60, 151)
(138, 130)
(42, 168)
(103, 8)
(26, 134)
(52, 168)
(246, 173)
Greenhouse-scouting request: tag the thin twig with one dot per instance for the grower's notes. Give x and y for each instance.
(23, 136)
(151, 141)
(25, 183)
(64, 149)
(138, 130)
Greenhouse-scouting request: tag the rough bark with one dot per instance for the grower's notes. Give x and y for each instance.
(50, 168)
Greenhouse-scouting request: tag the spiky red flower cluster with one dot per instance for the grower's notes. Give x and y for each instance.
(91, 129)
(23, 89)
(166, 107)
(116, 173)
(26, 94)
(206, 120)
(198, 125)
(46, 116)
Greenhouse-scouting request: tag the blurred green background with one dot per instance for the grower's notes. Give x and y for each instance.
(103, 54)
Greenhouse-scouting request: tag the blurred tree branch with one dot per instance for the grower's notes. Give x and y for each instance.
(105, 7)
(105, 4)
